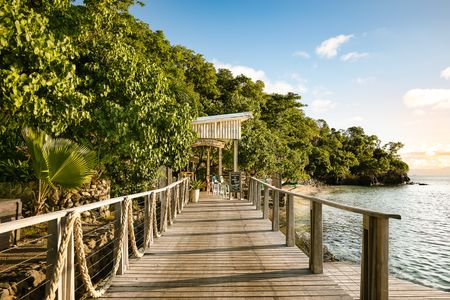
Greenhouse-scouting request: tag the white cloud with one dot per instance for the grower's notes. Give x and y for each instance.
(446, 73)
(321, 92)
(427, 156)
(354, 56)
(237, 70)
(356, 119)
(322, 105)
(302, 54)
(423, 98)
(279, 86)
(363, 80)
(329, 48)
(300, 83)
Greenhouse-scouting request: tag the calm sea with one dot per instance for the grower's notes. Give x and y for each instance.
(419, 243)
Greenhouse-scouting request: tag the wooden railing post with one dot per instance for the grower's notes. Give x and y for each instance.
(118, 228)
(147, 215)
(182, 194)
(253, 195)
(266, 203)
(163, 217)
(175, 202)
(188, 182)
(249, 194)
(258, 196)
(170, 206)
(374, 260)
(316, 252)
(54, 230)
(290, 222)
(68, 272)
(276, 211)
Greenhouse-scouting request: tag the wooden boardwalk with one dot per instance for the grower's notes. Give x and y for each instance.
(222, 249)
(347, 275)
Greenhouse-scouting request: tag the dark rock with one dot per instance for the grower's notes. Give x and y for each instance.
(36, 277)
(303, 241)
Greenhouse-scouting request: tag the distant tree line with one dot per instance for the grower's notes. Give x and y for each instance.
(97, 75)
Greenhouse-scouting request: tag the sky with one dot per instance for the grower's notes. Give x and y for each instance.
(382, 65)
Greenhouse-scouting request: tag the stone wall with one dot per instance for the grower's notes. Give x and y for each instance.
(97, 190)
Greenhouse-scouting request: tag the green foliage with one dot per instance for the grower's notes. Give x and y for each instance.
(97, 75)
(37, 78)
(197, 184)
(57, 163)
(16, 171)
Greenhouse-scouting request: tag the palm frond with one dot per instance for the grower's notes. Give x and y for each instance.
(70, 165)
(58, 161)
(35, 139)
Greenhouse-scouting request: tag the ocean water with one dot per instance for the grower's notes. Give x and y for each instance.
(419, 243)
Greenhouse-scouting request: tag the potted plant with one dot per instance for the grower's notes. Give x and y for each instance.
(195, 187)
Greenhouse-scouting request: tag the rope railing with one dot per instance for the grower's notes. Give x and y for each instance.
(67, 237)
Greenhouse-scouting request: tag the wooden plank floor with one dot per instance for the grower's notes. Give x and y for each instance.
(347, 275)
(219, 249)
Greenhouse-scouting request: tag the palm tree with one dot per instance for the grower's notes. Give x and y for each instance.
(57, 163)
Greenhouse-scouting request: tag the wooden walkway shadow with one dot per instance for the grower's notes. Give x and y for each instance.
(222, 249)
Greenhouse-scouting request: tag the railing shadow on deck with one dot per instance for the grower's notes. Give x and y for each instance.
(215, 250)
(375, 246)
(245, 277)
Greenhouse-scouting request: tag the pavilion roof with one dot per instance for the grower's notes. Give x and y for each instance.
(220, 127)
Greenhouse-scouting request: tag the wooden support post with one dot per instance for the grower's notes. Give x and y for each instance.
(258, 196)
(169, 175)
(181, 195)
(316, 255)
(170, 205)
(208, 164)
(290, 222)
(235, 155)
(66, 284)
(68, 272)
(220, 162)
(147, 215)
(266, 203)
(186, 197)
(276, 211)
(374, 260)
(178, 198)
(163, 217)
(175, 202)
(53, 242)
(253, 192)
(118, 228)
(152, 199)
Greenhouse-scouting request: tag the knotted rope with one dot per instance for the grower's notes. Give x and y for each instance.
(62, 253)
(81, 257)
(74, 226)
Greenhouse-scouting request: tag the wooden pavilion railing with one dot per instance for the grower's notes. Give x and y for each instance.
(64, 236)
(375, 245)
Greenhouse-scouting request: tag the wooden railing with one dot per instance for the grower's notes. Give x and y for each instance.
(172, 199)
(375, 245)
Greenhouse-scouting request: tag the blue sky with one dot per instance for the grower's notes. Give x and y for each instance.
(381, 65)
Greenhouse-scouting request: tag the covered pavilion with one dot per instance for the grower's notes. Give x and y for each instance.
(216, 131)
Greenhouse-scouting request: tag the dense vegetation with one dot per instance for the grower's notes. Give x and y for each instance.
(99, 76)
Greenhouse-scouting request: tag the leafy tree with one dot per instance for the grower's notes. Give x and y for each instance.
(37, 79)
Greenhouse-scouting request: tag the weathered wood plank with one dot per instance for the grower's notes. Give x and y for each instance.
(347, 275)
(220, 249)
